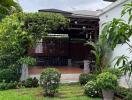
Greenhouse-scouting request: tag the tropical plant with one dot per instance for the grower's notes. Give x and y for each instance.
(127, 10)
(119, 31)
(115, 32)
(101, 51)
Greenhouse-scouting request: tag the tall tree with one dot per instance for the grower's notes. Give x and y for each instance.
(8, 7)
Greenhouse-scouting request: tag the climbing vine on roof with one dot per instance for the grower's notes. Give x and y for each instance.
(20, 31)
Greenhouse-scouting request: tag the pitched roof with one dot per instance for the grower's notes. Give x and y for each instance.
(77, 13)
(110, 0)
(85, 13)
(55, 11)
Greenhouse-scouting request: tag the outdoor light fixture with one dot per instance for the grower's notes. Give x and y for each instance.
(84, 27)
(75, 22)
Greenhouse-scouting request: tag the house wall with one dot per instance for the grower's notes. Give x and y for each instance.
(120, 49)
(108, 16)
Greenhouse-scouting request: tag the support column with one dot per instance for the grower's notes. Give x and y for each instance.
(24, 72)
(86, 66)
(39, 46)
(69, 62)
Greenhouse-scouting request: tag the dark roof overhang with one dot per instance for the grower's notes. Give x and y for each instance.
(110, 0)
(54, 11)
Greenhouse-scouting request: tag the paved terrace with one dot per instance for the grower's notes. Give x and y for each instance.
(69, 74)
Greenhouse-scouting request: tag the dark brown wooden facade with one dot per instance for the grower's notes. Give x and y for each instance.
(58, 51)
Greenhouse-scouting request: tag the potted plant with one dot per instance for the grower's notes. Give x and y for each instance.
(108, 83)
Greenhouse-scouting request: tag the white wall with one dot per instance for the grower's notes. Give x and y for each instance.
(120, 49)
(112, 13)
(108, 16)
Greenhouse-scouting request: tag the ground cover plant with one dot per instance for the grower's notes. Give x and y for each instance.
(6, 86)
(30, 82)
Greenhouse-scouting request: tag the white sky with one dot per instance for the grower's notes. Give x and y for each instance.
(35, 5)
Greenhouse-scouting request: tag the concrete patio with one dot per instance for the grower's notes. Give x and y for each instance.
(69, 74)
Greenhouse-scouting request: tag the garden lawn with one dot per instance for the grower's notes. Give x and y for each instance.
(66, 92)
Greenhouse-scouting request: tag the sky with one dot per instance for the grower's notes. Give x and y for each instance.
(67, 5)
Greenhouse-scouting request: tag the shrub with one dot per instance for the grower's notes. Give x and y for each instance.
(35, 82)
(85, 77)
(3, 86)
(115, 71)
(50, 79)
(124, 93)
(27, 60)
(9, 75)
(30, 82)
(107, 81)
(129, 96)
(91, 89)
(12, 85)
(6, 86)
(121, 91)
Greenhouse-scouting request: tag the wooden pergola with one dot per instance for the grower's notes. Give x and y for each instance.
(81, 29)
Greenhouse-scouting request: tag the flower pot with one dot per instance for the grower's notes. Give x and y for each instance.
(108, 94)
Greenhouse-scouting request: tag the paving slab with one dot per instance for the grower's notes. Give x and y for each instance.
(65, 78)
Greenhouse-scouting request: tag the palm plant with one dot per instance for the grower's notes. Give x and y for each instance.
(101, 52)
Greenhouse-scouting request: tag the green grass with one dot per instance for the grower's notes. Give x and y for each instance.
(66, 92)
